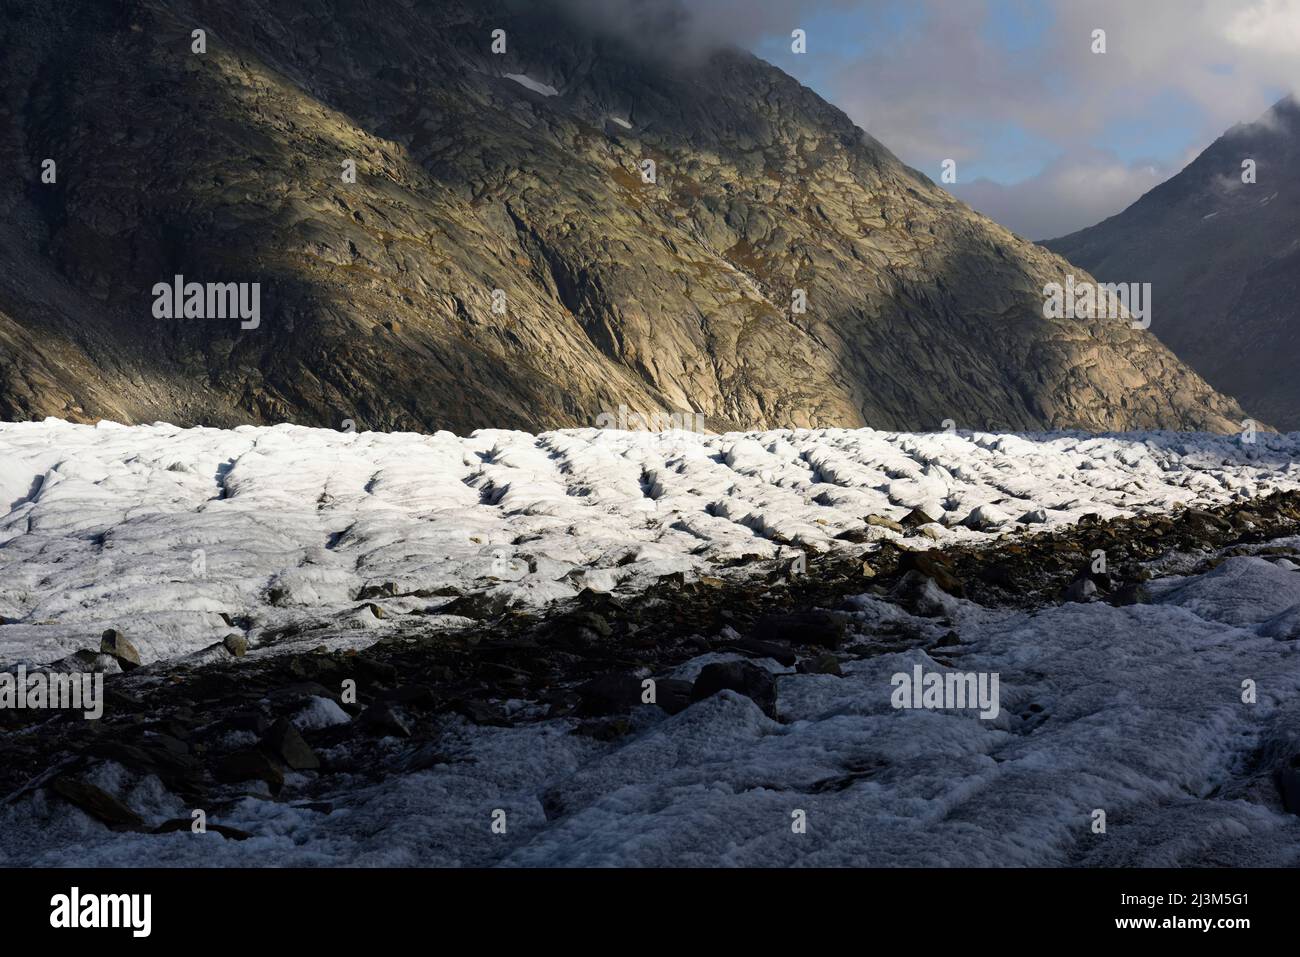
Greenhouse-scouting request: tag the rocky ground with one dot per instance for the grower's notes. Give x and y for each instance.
(1120, 692)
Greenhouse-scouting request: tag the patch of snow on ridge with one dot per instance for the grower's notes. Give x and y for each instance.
(165, 533)
(621, 122)
(536, 86)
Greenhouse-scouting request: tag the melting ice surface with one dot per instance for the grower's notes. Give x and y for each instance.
(159, 531)
(1134, 711)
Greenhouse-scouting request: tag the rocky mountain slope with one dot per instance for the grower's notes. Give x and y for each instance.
(520, 173)
(1223, 258)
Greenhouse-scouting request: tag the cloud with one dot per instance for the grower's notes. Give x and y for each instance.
(1048, 132)
(1069, 194)
(1176, 74)
(696, 27)
(1271, 26)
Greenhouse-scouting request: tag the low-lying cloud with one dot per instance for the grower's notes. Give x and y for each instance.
(940, 85)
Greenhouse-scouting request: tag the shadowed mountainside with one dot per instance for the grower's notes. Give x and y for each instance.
(377, 296)
(1223, 258)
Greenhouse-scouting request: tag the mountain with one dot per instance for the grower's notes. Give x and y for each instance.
(1223, 258)
(520, 173)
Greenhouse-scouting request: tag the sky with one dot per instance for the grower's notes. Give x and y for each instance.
(1047, 135)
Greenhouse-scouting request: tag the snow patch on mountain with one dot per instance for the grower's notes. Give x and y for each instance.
(536, 86)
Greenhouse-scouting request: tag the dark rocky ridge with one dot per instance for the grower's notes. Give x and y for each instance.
(1223, 258)
(376, 297)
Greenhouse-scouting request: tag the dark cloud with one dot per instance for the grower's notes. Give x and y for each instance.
(699, 26)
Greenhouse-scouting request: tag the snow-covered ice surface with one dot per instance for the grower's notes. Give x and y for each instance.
(160, 531)
(1136, 711)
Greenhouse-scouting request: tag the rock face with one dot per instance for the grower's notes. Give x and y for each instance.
(501, 259)
(1223, 258)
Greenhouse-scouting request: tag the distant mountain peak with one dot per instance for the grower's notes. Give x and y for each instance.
(1220, 243)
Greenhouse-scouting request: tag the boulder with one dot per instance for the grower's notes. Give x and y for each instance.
(114, 643)
(739, 676)
(249, 764)
(822, 628)
(285, 742)
(96, 802)
(609, 694)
